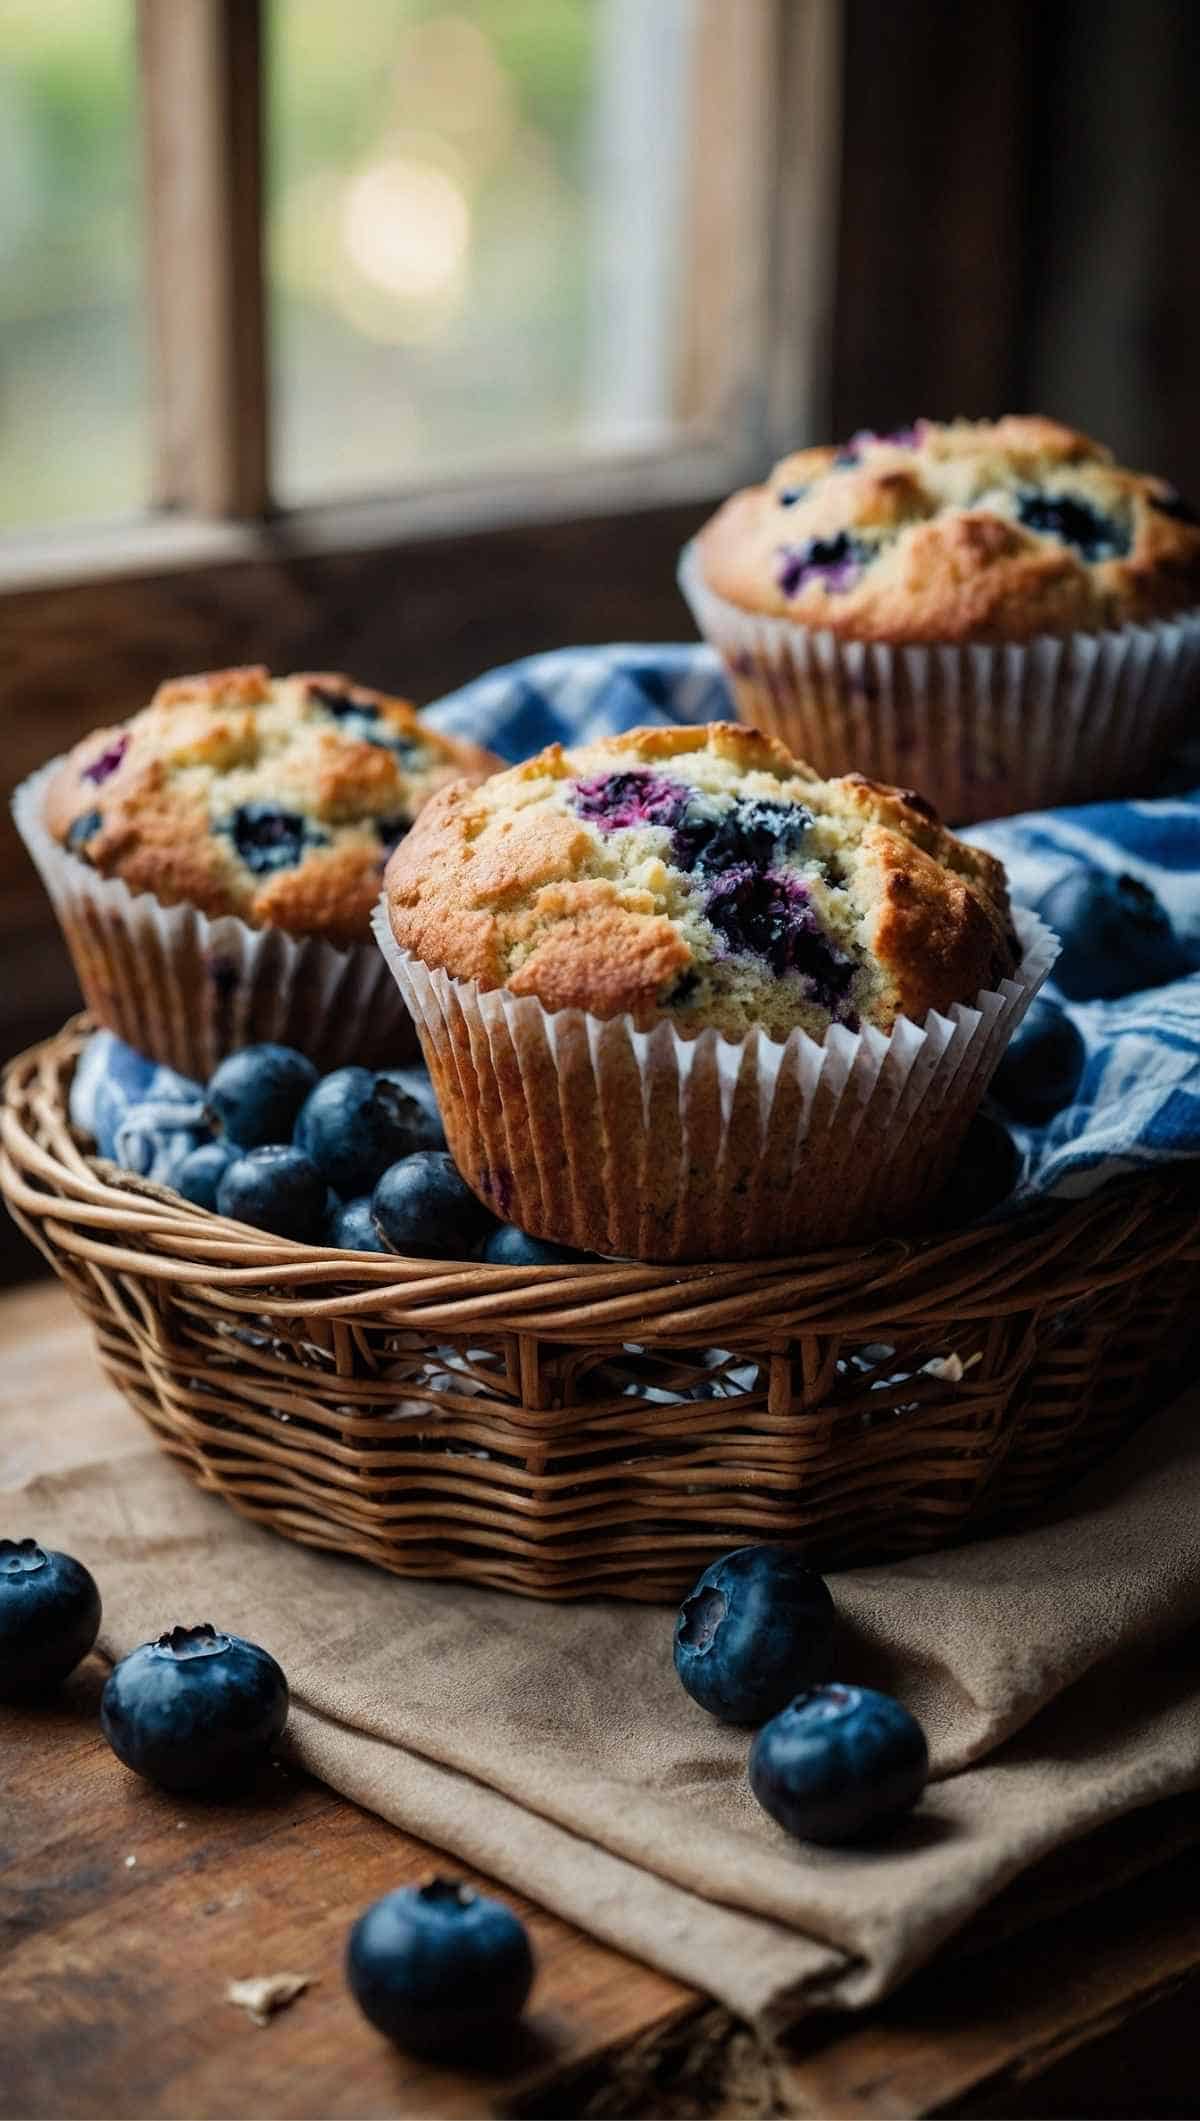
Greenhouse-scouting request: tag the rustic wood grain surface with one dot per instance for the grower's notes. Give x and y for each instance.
(124, 1914)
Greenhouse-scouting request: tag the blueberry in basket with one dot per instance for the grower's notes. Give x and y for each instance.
(49, 1616)
(1042, 1066)
(839, 1764)
(1116, 935)
(253, 1096)
(510, 1247)
(440, 1967)
(355, 1124)
(755, 1630)
(201, 1172)
(195, 1709)
(352, 1227)
(415, 1083)
(985, 1172)
(422, 1206)
(276, 1188)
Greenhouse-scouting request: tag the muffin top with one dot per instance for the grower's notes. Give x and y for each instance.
(966, 531)
(701, 876)
(277, 799)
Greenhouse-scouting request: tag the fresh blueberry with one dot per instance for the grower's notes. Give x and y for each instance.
(267, 838)
(839, 1763)
(1116, 936)
(355, 1124)
(422, 1206)
(835, 562)
(1042, 1066)
(352, 1227)
(756, 1628)
(154, 1139)
(194, 1710)
(415, 1083)
(439, 1967)
(253, 1096)
(49, 1616)
(510, 1247)
(987, 1168)
(1094, 535)
(391, 830)
(277, 1189)
(82, 829)
(200, 1174)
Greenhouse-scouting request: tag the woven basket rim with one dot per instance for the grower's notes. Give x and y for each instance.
(1045, 1255)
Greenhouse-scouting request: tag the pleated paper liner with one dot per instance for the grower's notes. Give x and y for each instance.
(647, 1145)
(186, 990)
(982, 731)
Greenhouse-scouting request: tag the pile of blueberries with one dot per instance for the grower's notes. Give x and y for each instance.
(356, 1159)
(199, 1712)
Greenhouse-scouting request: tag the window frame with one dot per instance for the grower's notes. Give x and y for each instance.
(760, 246)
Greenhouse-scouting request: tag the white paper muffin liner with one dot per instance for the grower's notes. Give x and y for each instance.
(982, 731)
(648, 1145)
(186, 990)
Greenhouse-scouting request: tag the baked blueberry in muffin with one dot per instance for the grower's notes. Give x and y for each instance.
(961, 531)
(278, 800)
(703, 877)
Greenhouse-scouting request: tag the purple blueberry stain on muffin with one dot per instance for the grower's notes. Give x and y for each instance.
(769, 916)
(788, 496)
(360, 720)
(615, 801)
(268, 838)
(1073, 521)
(836, 563)
(106, 762)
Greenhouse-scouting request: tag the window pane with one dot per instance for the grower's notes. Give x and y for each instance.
(475, 212)
(73, 440)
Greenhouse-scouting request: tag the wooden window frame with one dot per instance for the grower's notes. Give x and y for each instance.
(759, 243)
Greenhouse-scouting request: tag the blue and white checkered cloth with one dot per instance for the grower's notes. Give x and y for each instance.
(1139, 1101)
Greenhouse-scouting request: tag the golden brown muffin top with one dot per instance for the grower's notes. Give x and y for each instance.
(276, 799)
(701, 876)
(964, 531)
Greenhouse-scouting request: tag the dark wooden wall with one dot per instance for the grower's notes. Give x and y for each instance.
(1018, 218)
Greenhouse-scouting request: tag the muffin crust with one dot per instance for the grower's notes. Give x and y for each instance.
(276, 800)
(701, 876)
(965, 531)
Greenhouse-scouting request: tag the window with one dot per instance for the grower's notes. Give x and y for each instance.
(477, 218)
(73, 435)
(418, 243)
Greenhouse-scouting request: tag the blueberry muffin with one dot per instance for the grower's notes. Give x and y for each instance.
(277, 800)
(969, 541)
(706, 877)
(214, 860)
(671, 982)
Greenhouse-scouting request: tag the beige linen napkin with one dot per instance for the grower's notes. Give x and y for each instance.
(1055, 1673)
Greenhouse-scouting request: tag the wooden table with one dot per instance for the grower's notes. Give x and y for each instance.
(124, 1913)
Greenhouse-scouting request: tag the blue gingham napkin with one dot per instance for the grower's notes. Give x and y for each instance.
(1139, 1100)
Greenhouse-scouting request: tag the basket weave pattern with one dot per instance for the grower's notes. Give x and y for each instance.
(564, 1431)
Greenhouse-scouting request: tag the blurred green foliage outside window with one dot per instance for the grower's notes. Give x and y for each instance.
(74, 427)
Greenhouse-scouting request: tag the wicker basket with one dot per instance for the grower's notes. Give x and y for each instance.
(570, 1430)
